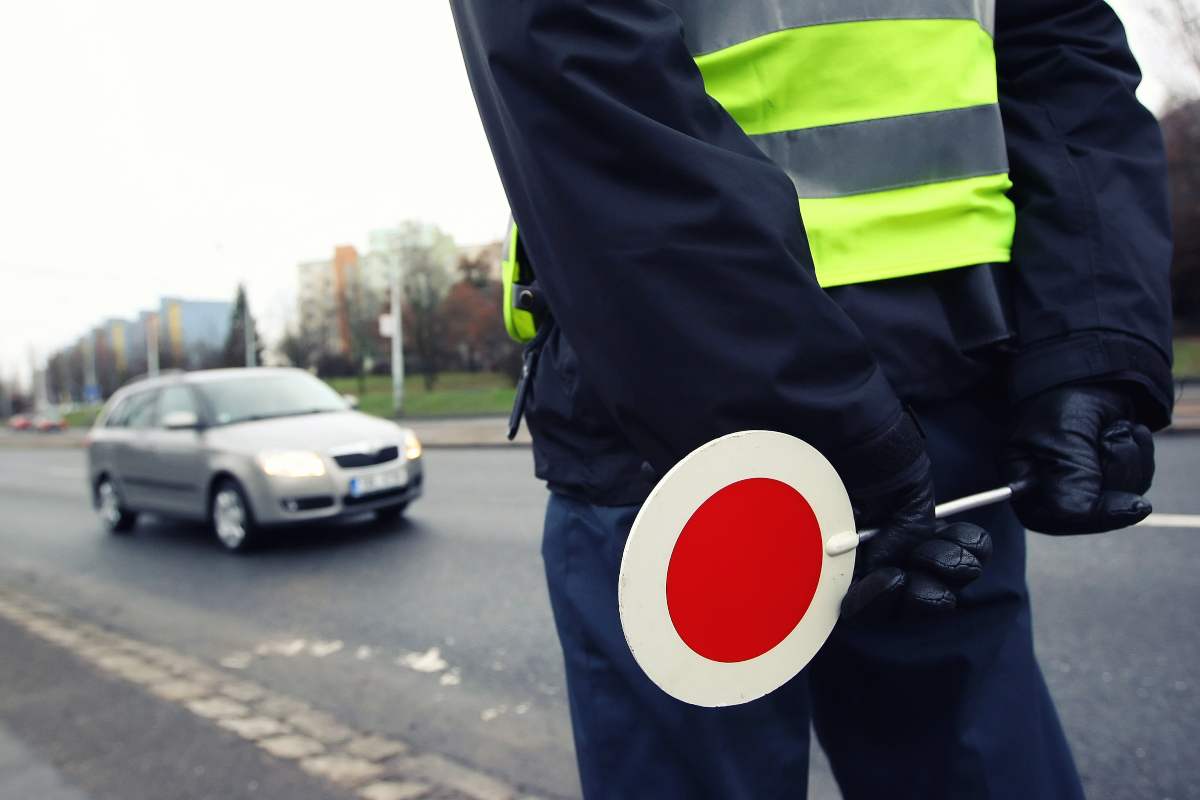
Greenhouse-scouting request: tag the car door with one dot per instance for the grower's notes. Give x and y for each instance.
(133, 453)
(180, 456)
(103, 442)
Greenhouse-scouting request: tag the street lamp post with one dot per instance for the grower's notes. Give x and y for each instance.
(397, 337)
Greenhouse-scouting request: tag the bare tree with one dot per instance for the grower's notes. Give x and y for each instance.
(300, 347)
(427, 255)
(1180, 23)
(1186, 19)
(1181, 129)
(363, 306)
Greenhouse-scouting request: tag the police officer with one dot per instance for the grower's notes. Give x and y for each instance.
(974, 291)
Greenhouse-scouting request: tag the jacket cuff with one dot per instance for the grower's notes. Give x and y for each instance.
(888, 459)
(1094, 356)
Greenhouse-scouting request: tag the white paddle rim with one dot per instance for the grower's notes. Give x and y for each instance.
(645, 618)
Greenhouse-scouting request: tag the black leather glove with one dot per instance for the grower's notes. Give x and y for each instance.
(914, 563)
(1085, 459)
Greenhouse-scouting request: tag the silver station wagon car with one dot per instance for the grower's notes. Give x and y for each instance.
(244, 449)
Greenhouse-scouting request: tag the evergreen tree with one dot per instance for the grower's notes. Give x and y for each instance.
(234, 352)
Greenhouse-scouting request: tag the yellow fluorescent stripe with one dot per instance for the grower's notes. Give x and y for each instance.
(519, 324)
(853, 71)
(871, 237)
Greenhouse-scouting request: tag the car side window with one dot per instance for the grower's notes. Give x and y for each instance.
(116, 417)
(174, 399)
(142, 408)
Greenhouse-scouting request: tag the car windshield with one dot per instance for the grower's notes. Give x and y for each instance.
(268, 395)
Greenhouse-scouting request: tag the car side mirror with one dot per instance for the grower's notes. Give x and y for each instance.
(181, 421)
(351, 400)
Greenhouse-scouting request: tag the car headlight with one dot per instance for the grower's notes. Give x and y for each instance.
(412, 446)
(292, 464)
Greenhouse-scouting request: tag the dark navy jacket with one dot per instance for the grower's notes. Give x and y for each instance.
(677, 270)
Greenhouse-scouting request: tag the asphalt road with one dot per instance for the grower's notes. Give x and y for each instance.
(336, 616)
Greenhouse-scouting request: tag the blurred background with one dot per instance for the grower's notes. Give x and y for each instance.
(307, 184)
(170, 175)
(172, 179)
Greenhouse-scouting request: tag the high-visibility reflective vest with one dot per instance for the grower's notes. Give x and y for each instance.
(885, 115)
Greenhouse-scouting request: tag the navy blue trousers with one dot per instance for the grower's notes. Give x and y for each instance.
(951, 708)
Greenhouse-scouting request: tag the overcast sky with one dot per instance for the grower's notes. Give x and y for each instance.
(154, 147)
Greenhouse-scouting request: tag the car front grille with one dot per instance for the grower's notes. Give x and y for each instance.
(350, 500)
(381, 456)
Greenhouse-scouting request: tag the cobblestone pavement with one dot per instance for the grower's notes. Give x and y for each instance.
(377, 767)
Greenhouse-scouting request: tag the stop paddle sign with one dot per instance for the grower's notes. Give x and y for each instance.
(735, 568)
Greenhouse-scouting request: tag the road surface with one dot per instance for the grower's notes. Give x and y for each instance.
(436, 633)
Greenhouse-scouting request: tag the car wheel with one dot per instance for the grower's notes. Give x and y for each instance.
(391, 513)
(115, 516)
(232, 520)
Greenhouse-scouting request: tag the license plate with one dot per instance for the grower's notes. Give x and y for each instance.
(377, 482)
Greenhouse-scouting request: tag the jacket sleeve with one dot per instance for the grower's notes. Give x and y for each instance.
(669, 248)
(1091, 259)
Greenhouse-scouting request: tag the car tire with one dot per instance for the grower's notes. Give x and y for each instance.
(113, 513)
(231, 517)
(391, 513)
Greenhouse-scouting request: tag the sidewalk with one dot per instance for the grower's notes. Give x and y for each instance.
(71, 729)
(1187, 407)
(434, 433)
(474, 432)
(123, 718)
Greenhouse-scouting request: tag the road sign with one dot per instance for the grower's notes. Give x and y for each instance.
(386, 326)
(728, 586)
(735, 568)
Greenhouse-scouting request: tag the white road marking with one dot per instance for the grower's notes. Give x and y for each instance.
(1171, 521)
(322, 649)
(489, 714)
(290, 647)
(379, 768)
(429, 661)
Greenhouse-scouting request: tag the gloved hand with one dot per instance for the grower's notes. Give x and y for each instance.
(1085, 459)
(914, 563)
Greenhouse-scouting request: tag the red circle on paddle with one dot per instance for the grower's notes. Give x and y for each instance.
(744, 570)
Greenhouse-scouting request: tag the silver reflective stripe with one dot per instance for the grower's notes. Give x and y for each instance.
(710, 25)
(890, 153)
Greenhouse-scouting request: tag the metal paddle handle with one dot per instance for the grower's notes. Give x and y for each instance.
(845, 542)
